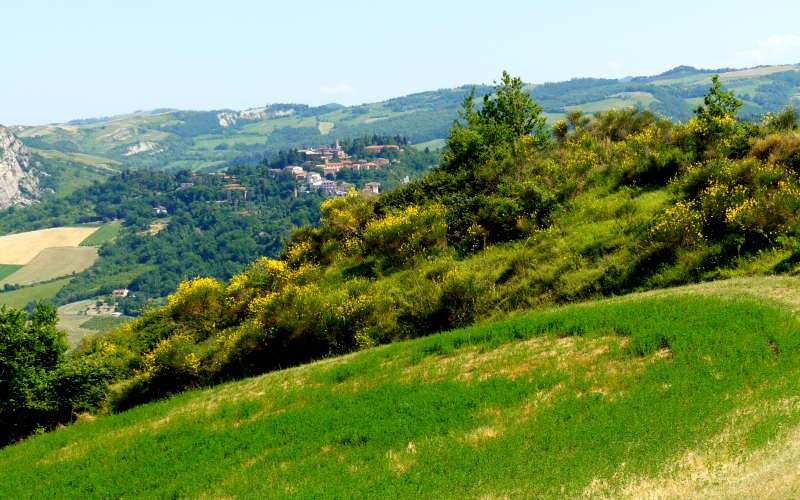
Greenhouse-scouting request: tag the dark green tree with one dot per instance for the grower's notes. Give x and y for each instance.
(39, 386)
(481, 135)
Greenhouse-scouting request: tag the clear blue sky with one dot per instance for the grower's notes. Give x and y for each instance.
(75, 59)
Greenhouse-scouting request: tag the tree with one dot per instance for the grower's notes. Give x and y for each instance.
(511, 113)
(718, 103)
(39, 386)
(481, 135)
(715, 126)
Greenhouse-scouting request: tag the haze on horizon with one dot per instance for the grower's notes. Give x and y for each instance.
(68, 60)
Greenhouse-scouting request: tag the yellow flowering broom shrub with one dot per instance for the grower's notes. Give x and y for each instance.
(403, 234)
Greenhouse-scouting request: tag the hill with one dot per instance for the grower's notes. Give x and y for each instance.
(679, 394)
(210, 140)
(611, 397)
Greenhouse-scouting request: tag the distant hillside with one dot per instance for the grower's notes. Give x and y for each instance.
(208, 140)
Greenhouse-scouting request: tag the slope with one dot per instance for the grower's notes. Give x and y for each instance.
(628, 397)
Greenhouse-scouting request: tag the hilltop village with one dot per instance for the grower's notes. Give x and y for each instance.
(322, 165)
(316, 173)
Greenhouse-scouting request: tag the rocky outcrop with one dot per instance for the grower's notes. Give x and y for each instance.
(19, 182)
(143, 147)
(229, 118)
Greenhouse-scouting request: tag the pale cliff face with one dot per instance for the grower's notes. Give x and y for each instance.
(19, 184)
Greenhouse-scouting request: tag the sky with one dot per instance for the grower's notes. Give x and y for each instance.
(63, 60)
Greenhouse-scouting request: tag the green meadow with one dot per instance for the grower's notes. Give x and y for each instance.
(20, 297)
(107, 232)
(596, 400)
(8, 269)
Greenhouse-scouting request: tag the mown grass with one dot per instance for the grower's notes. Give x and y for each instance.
(8, 269)
(568, 402)
(107, 232)
(19, 298)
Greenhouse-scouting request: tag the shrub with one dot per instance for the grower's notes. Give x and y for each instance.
(618, 124)
(401, 235)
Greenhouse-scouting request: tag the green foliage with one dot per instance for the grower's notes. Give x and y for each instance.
(482, 135)
(717, 103)
(784, 121)
(39, 386)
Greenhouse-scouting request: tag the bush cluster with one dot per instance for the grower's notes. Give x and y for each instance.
(511, 219)
(40, 387)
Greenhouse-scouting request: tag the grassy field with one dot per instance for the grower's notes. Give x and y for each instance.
(20, 298)
(8, 269)
(21, 248)
(681, 394)
(102, 323)
(73, 325)
(53, 263)
(106, 232)
(433, 145)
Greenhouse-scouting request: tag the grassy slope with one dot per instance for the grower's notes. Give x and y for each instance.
(427, 115)
(20, 298)
(665, 392)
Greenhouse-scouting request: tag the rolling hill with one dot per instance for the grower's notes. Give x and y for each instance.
(208, 140)
(683, 393)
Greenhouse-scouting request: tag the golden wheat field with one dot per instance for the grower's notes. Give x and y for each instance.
(19, 249)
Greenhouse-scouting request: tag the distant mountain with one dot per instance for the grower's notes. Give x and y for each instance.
(211, 140)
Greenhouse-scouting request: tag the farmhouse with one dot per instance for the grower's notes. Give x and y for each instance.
(121, 292)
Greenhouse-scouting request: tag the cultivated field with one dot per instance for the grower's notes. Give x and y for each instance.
(691, 393)
(21, 248)
(53, 263)
(106, 232)
(769, 70)
(8, 269)
(20, 298)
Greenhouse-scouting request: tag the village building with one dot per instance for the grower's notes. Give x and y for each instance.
(377, 148)
(375, 187)
(328, 186)
(121, 292)
(160, 209)
(293, 169)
